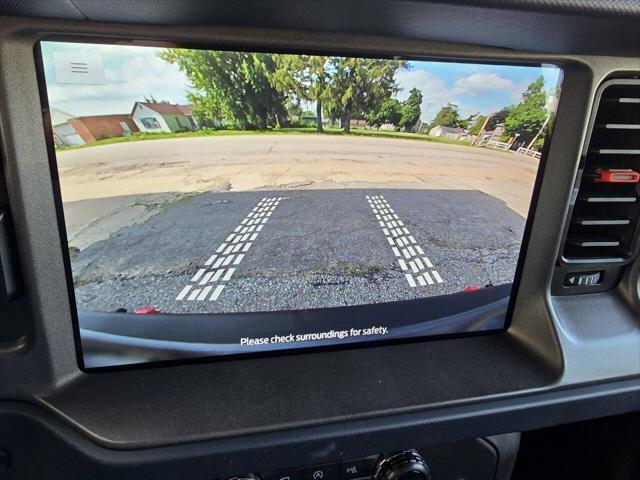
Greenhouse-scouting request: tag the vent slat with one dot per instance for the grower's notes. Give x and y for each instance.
(618, 151)
(620, 126)
(595, 243)
(604, 220)
(589, 222)
(609, 199)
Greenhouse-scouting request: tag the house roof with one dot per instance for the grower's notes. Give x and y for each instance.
(166, 108)
(450, 129)
(109, 115)
(58, 117)
(499, 128)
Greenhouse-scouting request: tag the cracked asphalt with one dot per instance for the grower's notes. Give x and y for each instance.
(318, 248)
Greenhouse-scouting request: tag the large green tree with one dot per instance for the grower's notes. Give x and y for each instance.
(235, 86)
(411, 109)
(389, 112)
(449, 116)
(303, 78)
(360, 85)
(527, 117)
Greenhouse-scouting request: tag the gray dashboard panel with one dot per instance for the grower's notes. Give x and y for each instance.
(555, 354)
(600, 27)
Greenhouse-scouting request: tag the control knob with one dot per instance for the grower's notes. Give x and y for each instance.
(407, 465)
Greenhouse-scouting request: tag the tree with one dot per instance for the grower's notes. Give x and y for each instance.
(389, 112)
(152, 99)
(448, 116)
(465, 122)
(498, 117)
(236, 86)
(478, 122)
(411, 109)
(303, 78)
(360, 85)
(527, 117)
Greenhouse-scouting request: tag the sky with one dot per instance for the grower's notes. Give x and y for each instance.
(475, 88)
(129, 73)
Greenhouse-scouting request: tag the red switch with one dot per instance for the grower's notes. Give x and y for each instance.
(614, 175)
(472, 288)
(147, 311)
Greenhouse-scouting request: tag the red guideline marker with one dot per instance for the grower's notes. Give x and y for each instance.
(616, 175)
(147, 311)
(472, 288)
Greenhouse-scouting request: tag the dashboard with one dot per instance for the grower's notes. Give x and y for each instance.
(557, 339)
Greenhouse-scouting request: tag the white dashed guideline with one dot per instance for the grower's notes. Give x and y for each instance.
(416, 266)
(210, 281)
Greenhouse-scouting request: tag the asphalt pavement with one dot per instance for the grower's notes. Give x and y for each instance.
(287, 250)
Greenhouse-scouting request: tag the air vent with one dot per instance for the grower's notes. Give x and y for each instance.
(603, 226)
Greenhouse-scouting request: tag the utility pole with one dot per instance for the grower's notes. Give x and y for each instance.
(546, 120)
(484, 125)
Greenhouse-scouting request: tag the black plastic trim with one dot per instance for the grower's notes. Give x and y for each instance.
(28, 424)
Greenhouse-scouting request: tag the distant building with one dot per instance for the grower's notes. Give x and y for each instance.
(71, 131)
(163, 117)
(97, 127)
(494, 134)
(64, 134)
(446, 132)
(311, 119)
(358, 122)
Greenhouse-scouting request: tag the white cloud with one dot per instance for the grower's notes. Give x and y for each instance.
(435, 92)
(482, 83)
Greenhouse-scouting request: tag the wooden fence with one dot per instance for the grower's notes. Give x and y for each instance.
(531, 153)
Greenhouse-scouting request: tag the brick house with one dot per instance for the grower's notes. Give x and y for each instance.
(97, 127)
(70, 131)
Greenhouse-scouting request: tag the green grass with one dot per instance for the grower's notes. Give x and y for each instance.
(354, 269)
(136, 137)
(406, 135)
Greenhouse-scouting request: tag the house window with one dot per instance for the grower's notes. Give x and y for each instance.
(150, 122)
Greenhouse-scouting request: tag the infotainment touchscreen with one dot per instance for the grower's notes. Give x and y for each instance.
(232, 202)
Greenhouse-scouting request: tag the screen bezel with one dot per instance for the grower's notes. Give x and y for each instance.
(55, 183)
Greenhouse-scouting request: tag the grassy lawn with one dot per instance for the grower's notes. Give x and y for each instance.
(405, 135)
(136, 137)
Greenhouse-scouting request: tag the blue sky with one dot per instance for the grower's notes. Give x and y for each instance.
(131, 73)
(475, 88)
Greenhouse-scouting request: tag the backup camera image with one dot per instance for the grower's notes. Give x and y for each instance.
(231, 202)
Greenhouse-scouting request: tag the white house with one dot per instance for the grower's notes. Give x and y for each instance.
(448, 132)
(163, 117)
(148, 119)
(494, 134)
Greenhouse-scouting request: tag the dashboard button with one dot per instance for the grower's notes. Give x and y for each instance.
(583, 279)
(358, 468)
(322, 472)
(291, 474)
